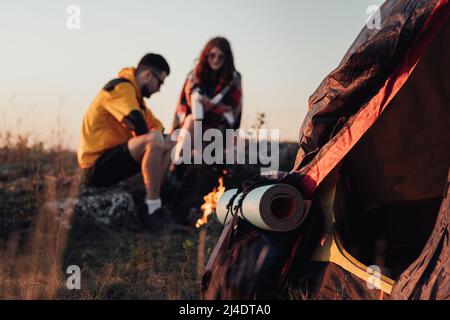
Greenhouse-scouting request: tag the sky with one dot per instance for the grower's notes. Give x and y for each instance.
(51, 73)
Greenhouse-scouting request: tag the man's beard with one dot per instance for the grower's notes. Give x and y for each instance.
(145, 92)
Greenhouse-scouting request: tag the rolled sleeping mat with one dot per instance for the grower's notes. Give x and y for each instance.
(276, 207)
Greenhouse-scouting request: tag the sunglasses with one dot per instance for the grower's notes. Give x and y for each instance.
(158, 77)
(214, 55)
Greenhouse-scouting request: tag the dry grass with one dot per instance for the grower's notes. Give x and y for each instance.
(39, 239)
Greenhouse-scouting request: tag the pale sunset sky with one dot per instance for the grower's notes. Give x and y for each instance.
(283, 50)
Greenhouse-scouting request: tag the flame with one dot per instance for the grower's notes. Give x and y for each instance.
(209, 206)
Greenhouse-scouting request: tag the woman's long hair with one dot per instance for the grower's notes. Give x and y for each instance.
(203, 72)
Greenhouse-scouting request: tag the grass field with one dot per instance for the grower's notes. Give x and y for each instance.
(40, 238)
(116, 263)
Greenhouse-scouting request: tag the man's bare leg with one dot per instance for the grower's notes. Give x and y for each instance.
(148, 150)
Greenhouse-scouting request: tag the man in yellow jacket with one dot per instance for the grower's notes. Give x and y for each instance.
(120, 136)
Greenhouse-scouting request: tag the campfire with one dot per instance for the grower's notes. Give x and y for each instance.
(209, 206)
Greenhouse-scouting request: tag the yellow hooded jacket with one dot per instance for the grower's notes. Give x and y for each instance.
(104, 122)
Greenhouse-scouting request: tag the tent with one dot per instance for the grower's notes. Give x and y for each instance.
(374, 159)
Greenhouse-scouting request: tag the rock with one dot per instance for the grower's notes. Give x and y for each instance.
(11, 171)
(108, 206)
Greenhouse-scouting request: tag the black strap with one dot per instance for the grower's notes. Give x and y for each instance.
(113, 83)
(135, 122)
(291, 178)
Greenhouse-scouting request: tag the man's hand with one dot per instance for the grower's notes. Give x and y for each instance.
(157, 138)
(169, 144)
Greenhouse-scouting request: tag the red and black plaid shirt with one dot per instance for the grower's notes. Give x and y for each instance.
(213, 117)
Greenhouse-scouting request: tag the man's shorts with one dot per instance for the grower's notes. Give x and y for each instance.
(113, 166)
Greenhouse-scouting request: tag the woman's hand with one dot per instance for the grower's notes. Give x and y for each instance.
(207, 104)
(225, 108)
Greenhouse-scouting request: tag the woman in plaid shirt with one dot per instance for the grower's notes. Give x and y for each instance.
(212, 92)
(211, 95)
